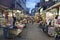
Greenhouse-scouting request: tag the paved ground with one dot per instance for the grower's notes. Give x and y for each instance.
(32, 32)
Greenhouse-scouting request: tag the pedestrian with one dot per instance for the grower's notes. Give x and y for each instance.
(25, 22)
(56, 21)
(6, 15)
(11, 21)
(51, 29)
(14, 20)
(40, 22)
(32, 19)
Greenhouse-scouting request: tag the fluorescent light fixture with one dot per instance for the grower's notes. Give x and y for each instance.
(41, 9)
(18, 11)
(46, 0)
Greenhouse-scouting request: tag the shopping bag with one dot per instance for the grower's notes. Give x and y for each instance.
(20, 26)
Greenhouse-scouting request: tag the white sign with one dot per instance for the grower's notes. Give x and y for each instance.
(59, 10)
(41, 9)
(46, 0)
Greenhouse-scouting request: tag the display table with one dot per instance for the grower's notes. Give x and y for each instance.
(15, 31)
(18, 30)
(12, 31)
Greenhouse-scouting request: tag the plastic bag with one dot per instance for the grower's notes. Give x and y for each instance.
(20, 26)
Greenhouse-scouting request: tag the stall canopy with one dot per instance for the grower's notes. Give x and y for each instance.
(7, 3)
(54, 6)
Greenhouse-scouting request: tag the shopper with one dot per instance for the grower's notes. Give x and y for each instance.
(51, 29)
(6, 15)
(25, 22)
(14, 20)
(6, 26)
(11, 21)
(40, 22)
(32, 19)
(56, 21)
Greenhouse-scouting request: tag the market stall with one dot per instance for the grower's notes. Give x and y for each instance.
(51, 13)
(37, 17)
(7, 23)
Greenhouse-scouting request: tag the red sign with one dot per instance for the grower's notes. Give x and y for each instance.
(58, 21)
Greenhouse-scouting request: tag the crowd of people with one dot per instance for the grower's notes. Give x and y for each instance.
(12, 20)
(50, 27)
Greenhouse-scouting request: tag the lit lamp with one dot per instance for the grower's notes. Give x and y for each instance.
(41, 10)
(18, 11)
(46, 0)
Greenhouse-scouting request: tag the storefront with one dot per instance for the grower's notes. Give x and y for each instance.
(55, 10)
(51, 13)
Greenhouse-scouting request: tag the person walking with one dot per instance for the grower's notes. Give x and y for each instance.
(14, 20)
(11, 21)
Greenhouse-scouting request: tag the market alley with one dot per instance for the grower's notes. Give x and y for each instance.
(33, 32)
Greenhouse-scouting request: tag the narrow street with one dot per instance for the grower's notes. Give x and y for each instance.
(15, 15)
(33, 32)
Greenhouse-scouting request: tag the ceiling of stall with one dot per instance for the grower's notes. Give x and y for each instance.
(7, 3)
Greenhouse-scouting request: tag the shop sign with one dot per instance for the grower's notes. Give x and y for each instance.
(59, 10)
(59, 20)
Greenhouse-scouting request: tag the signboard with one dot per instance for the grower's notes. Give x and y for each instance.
(59, 20)
(59, 10)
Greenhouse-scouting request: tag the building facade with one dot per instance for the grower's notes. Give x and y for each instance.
(46, 3)
(20, 4)
(14, 4)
